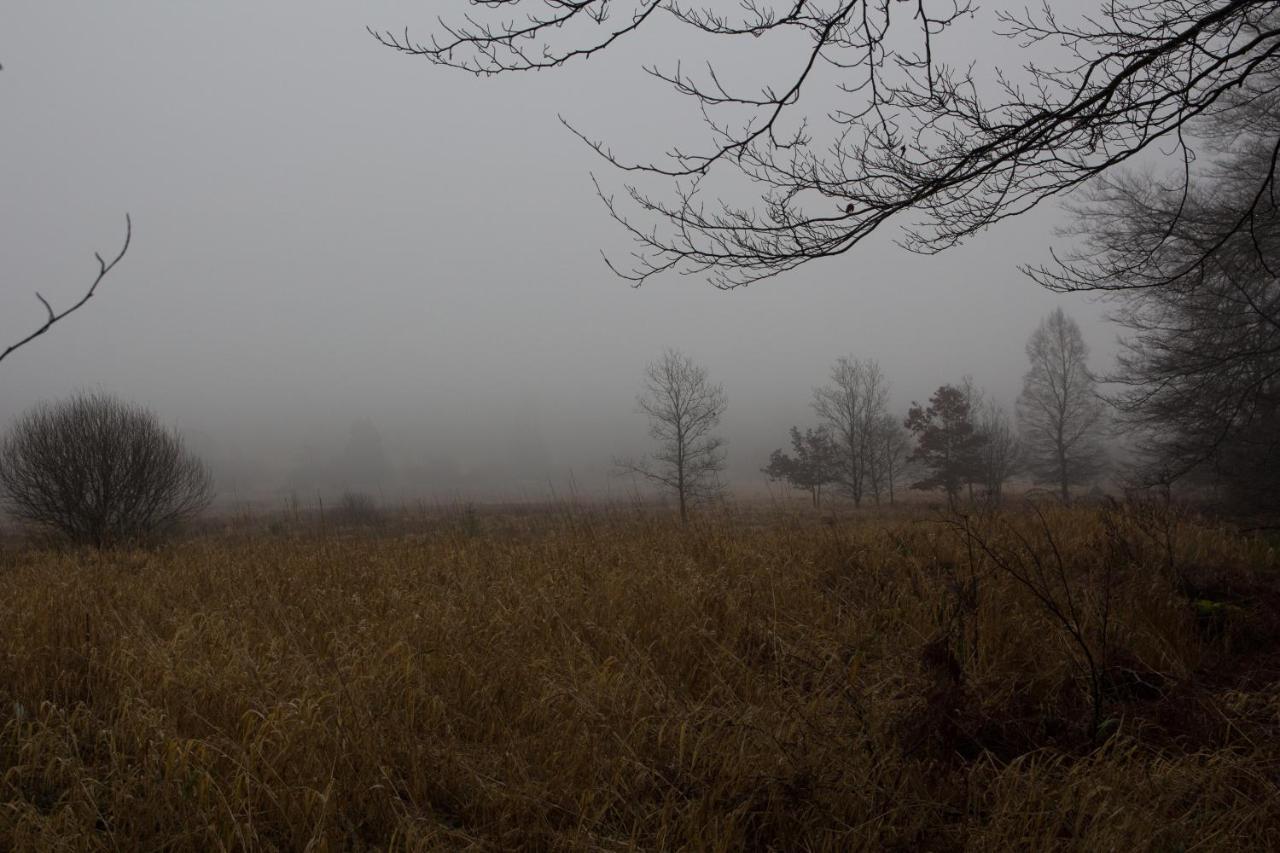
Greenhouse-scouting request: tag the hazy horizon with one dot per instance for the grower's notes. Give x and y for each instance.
(326, 232)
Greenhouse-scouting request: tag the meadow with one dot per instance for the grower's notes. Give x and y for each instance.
(579, 678)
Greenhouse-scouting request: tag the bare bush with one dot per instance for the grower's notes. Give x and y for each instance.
(100, 471)
(1077, 597)
(359, 508)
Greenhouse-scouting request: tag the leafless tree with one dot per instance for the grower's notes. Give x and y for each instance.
(976, 401)
(999, 449)
(891, 449)
(1000, 452)
(684, 409)
(52, 316)
(1193, 271)
(875, 111)
(1059, 410)
(851, 406)
(100, 472)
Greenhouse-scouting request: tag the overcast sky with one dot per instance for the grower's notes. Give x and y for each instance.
(327, 231)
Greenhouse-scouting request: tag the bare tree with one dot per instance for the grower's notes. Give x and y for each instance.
(1059, 411)
(1193, 273)
(909, 127)
(850, 407)
(997, 456)
(684, 409)
(100, 472)
(1001, 449)
(976, 401)
(891, 450)
(51, 316)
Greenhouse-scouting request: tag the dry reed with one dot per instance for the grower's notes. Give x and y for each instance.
(608, 680)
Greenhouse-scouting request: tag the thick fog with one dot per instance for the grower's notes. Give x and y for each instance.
(351, 267)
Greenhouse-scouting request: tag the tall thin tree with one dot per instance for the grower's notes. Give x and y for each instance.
(684, 408)
(1001, 450)
(850, 407)
(1059, 411)
(892, 447)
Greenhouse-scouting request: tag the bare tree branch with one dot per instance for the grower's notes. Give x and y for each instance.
(51, 316)
(1192, 268)
(904, 132)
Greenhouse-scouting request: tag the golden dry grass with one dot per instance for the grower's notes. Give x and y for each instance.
(608, 681)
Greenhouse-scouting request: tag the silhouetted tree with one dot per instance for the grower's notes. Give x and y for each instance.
(891, 450)
(1059, 411)
(100, 472)
(947, 444)
(910, 131)
(975, 399)
(813, 466)
(684, 409)
(1193, 271)
(51, 316)
(1001, 450)
(850, 407)
(999, 455)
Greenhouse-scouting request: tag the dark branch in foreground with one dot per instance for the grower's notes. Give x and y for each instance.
(52, 317)
(866, 121)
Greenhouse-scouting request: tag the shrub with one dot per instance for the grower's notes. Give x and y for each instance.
(100, 471)
(358, 508)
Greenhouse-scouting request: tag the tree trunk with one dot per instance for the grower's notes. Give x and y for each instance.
(680, 485)
(1062, 475)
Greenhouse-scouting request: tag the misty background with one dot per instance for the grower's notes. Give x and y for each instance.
(337, 248)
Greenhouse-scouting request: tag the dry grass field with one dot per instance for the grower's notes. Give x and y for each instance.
(1083, 679)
